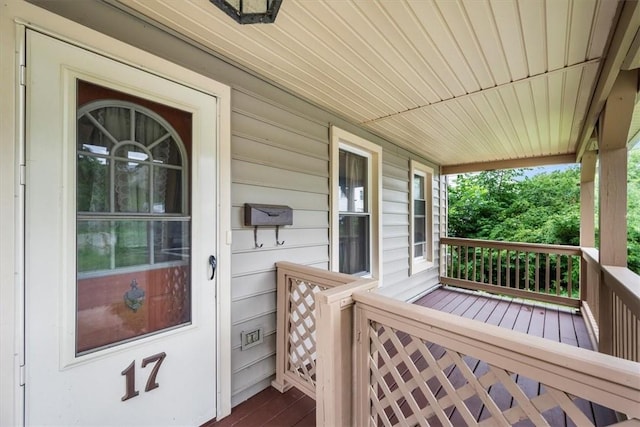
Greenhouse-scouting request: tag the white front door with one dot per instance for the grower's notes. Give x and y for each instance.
(120, 243)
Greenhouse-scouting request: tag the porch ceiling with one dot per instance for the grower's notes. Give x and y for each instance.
(456, 81)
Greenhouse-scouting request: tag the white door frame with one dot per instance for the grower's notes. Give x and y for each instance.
(25, 15)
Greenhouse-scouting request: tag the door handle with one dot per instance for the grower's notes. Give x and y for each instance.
(213, 263)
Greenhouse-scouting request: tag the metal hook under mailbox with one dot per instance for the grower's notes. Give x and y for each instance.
(255, 238)
(278, 243)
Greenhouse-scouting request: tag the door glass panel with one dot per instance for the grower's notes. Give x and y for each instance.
(132, 243)
(165, 151)
(167, 189)
(95, 245)
(91, 137)
(93, 184)
(131, 187)
(133, 225)
(132, 152)
(171, 241)
(112, 123)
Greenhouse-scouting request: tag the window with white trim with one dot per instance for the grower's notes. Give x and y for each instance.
(421, 217)
(356, 191)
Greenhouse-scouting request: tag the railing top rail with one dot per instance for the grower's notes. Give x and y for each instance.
(306, 271)
(524, 247)
(604, 379)
(591, 255)
(343, 293)
(624, 283)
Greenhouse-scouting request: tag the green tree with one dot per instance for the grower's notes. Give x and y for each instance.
(544, 208)
(507, 205)
(477, 202)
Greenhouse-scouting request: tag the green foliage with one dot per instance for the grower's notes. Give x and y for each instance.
(545, 208)
(506, 205)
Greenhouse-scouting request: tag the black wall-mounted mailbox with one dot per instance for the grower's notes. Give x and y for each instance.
(256, 215)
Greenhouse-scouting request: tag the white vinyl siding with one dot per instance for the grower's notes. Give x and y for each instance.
(278, 157)
(398, 282)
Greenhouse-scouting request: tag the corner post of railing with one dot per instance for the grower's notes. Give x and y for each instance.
(329, 408)
(443, 259)
(605, 317)
(584, 279)
(282, 332)
(360, 399)
(334, 347)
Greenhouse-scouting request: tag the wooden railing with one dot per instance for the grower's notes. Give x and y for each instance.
(612, 307)
(549, 273)
(371, 360)
(335, 344)
(417, 366)
(590, 290)
(299, 326)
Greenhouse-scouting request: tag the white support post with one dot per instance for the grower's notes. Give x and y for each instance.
(612, 144)
(587, 216)
(587, 200)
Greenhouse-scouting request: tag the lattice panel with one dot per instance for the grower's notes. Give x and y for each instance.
(302, 329)
(413, 382)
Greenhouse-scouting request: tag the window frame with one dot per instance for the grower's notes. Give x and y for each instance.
(419, 264)
(342, 140)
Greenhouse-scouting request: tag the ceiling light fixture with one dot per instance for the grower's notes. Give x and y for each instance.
(250, 11)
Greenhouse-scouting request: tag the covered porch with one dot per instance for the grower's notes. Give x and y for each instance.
(487, 333)
(456, 356)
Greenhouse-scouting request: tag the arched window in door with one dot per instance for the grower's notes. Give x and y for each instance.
(131, 167)
(133, 222)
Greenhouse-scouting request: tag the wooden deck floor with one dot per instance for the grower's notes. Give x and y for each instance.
(553, 323)
(270, 408)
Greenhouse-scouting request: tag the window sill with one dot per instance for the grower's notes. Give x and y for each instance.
(419, 266)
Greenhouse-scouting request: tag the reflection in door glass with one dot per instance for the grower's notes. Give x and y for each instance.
(133, 224)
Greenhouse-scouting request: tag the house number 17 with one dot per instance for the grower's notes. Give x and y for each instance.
(130, 375)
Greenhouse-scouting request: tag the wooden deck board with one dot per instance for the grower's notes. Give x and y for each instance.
(269, 408)
(305, 406)
(558, 325)
(293, 408)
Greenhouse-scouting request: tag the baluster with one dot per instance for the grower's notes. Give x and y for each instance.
(466, 262)
(537, 273)
(481, 265)
(517, 269)
(499, 268)
(508, 262)
(526, 271)
(547, 273)
(558, 274)
(570, 276)
(474, 264)
(490, 266)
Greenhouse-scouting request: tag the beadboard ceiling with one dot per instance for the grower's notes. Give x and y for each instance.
(456, 81)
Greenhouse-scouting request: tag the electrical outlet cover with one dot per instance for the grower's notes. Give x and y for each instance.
(251, 338)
